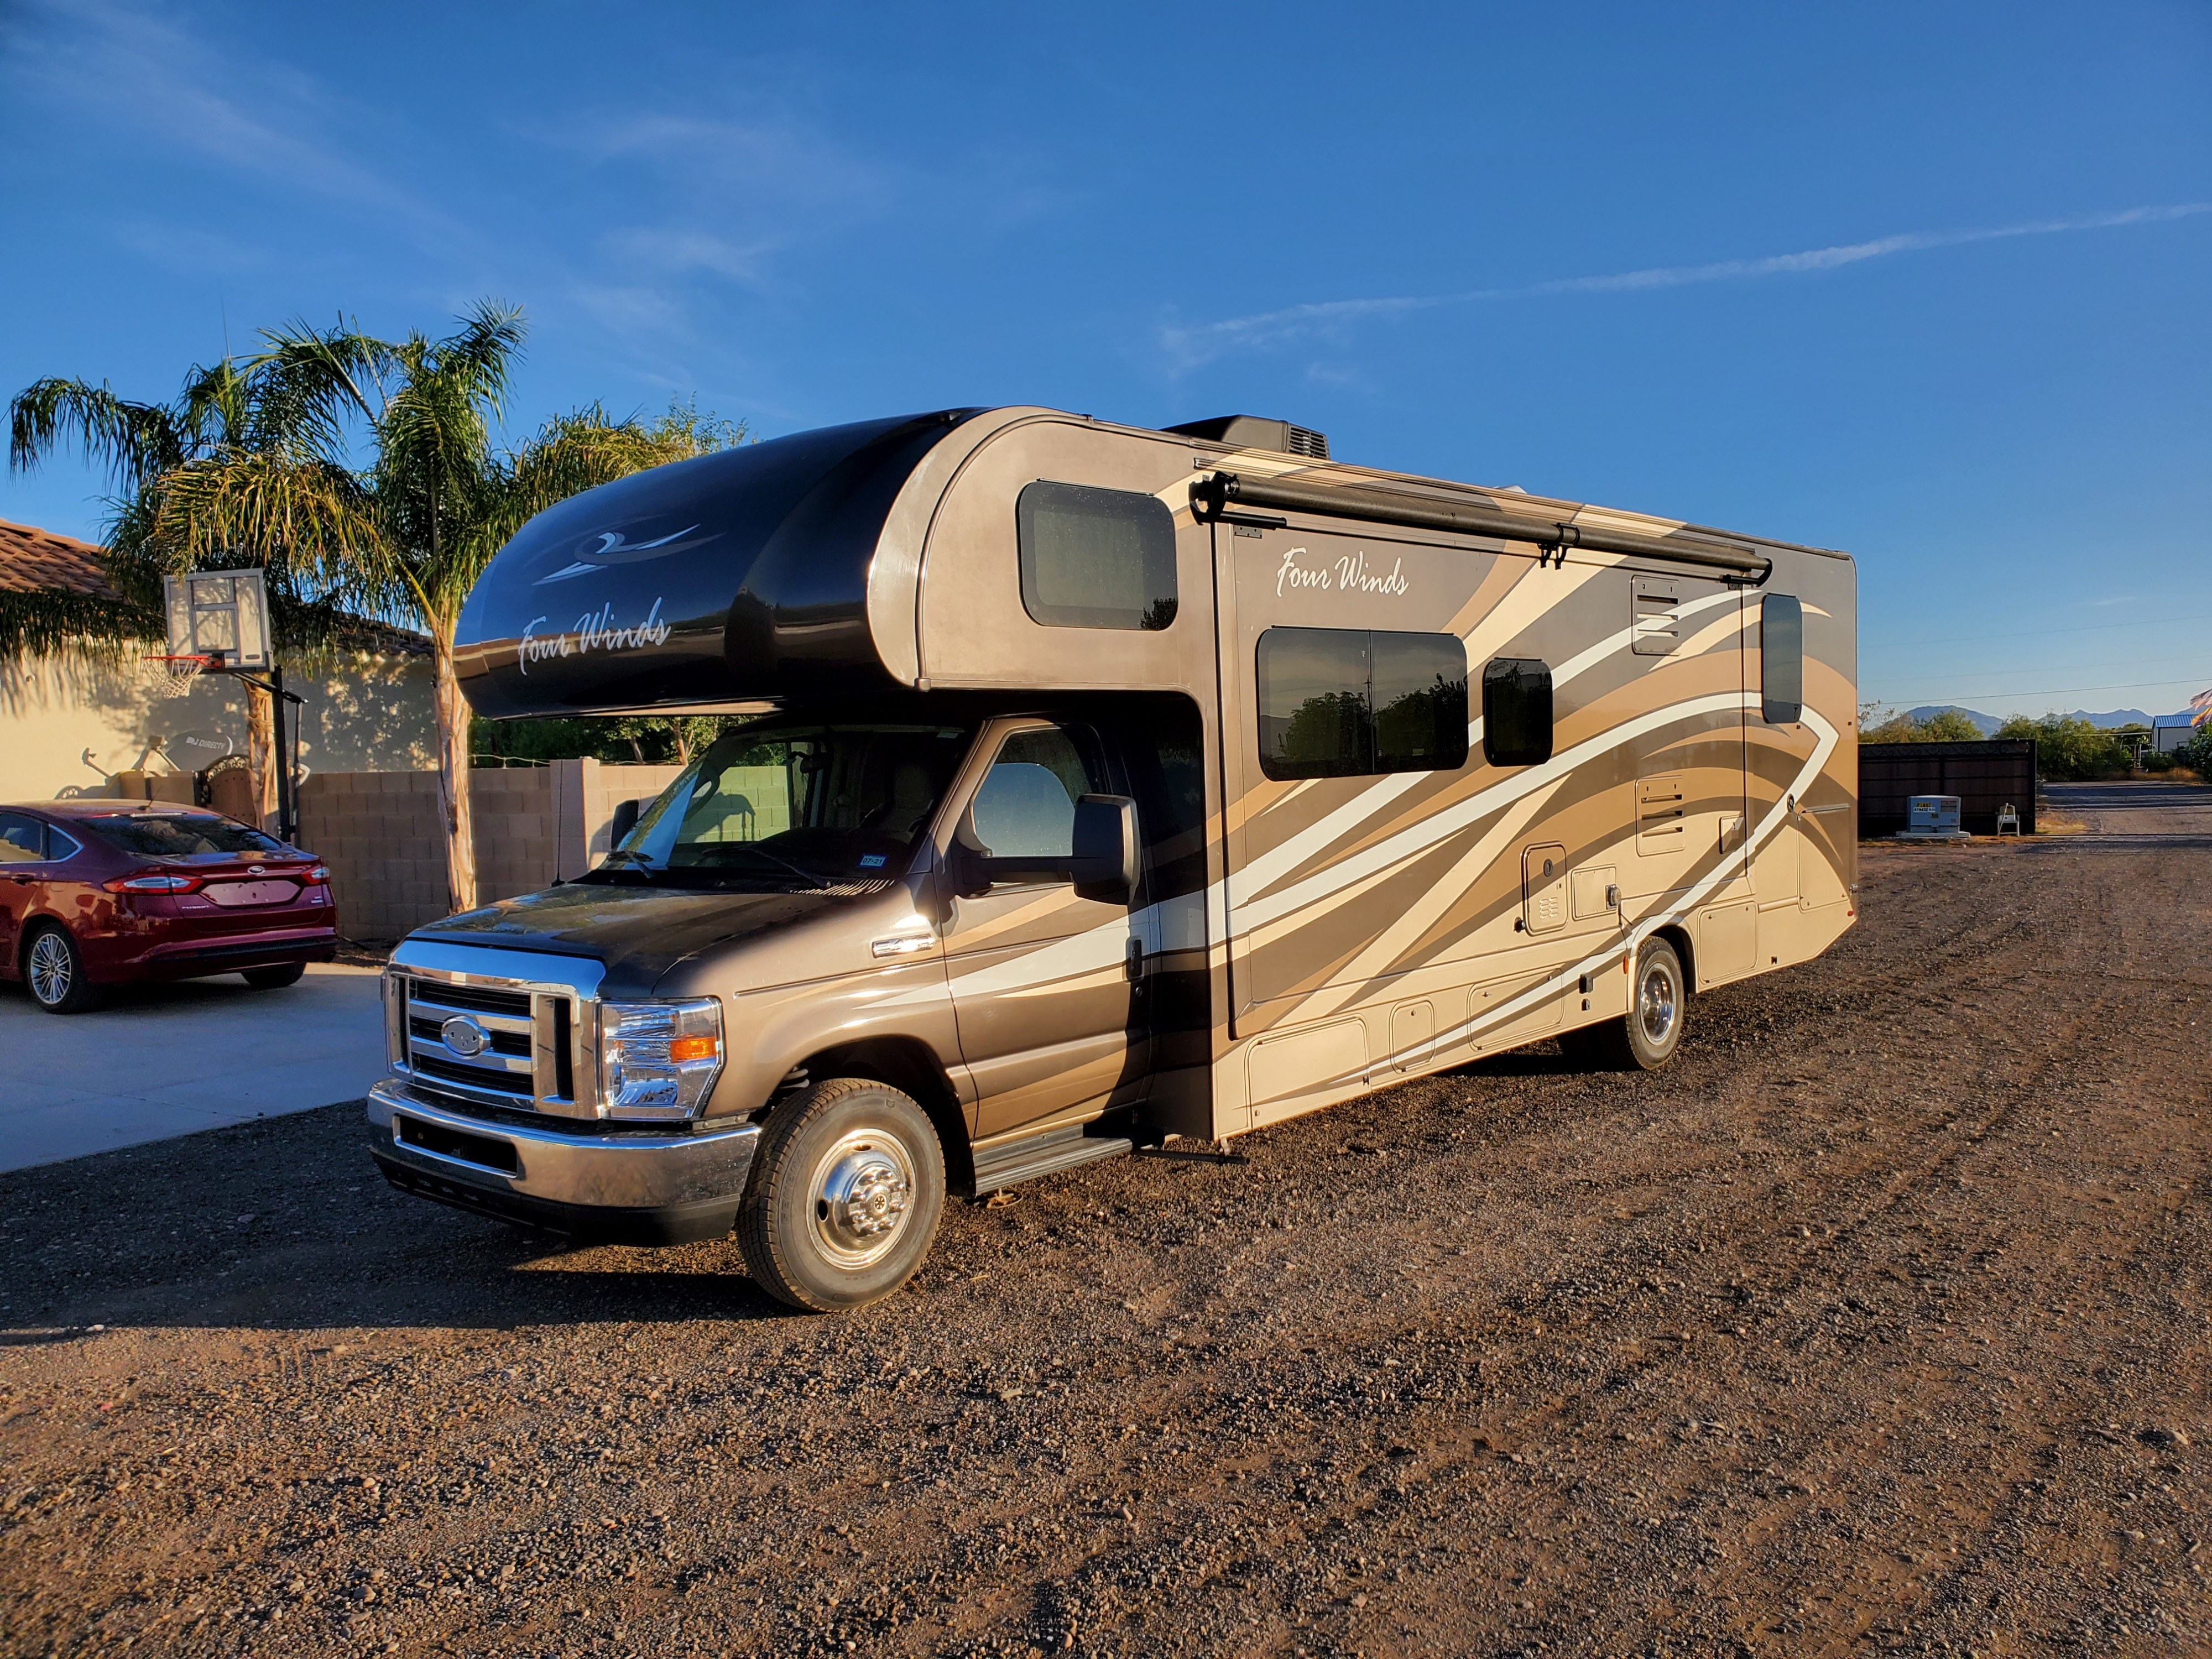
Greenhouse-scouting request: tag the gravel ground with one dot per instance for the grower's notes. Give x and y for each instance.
(1878, 1321)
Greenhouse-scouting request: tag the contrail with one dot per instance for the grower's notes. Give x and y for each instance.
(1193, 345)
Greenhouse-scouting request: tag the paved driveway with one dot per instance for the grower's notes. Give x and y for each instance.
(162, 1061)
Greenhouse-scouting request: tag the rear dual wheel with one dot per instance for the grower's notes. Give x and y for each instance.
(846, 1189)
(1645, 1038)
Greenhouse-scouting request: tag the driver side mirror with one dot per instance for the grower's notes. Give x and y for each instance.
(625, 819)
(1102, 862)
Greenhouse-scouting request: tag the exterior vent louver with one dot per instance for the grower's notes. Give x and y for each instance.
(1257, 432)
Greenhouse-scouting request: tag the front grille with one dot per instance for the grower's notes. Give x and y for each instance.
(524, 1060)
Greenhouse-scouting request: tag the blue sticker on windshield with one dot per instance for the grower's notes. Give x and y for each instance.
(872, 861)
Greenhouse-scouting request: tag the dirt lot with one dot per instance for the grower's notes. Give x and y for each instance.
(1879, 1321)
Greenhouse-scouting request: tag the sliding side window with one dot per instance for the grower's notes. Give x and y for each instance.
(1517, 712)
(1344, 702)
(1095, 558)
(1781, 659)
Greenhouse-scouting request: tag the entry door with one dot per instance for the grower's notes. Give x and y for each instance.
(1686, 812)
(1044, 982)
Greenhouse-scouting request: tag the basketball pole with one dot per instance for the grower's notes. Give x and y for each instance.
(288, 759)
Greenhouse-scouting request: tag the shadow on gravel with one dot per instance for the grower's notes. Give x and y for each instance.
(285, 1225)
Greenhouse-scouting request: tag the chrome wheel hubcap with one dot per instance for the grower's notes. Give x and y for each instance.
(1656, 1005)
(863, 1192)
(50, 971)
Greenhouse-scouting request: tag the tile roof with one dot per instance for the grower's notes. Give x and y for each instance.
(34, 561)
(38, 561)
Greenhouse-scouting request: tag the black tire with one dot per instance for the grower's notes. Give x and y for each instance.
(1646, 1038)
(274, 979)
(846, 1192)
(53, 971)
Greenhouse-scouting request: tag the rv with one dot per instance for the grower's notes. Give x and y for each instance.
(1092, 786)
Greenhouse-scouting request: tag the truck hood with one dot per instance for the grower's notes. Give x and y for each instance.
(640, 933)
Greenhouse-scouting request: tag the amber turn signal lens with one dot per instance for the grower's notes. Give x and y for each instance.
(692, 1048)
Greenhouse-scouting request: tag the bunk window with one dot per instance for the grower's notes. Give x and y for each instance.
(1517, 712)
(1781, 659)
(1344, 702)
(1095, 558)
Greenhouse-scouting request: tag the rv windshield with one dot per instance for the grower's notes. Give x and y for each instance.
(781, 803)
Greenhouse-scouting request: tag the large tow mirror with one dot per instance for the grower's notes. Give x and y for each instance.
(1102, 858)
(625, 819)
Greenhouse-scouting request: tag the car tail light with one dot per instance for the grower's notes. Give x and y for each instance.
(318, 875)
(150, 883)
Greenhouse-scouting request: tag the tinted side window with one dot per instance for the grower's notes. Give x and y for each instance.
(1517, 712)
(1338, 702)
(20, 838)
(1418, 693)
(1781, 659)
(1313, 703)
(1095, 558)
(1026, 805)
(60, 845)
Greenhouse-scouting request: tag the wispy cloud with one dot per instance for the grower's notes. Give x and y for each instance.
(672, 250)
(134, 67)
(1190, 346)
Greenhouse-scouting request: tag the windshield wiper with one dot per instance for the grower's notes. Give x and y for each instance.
(811, 878)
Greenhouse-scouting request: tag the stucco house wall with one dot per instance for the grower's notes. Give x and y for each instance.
(70, 720)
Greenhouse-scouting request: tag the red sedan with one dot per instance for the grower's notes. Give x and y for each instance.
(109, 892)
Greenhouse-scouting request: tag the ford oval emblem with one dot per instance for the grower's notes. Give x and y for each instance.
(464, 1036)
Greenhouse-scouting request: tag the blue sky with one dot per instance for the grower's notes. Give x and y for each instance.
(1928, 282)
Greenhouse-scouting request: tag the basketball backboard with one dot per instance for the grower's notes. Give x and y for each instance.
(219, 613)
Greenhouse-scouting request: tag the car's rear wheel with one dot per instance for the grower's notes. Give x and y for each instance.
(274, 979)
(846, 1192)
(1645, 1038)
(53, 968)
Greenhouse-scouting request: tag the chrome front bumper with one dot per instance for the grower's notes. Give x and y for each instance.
(643, 1188)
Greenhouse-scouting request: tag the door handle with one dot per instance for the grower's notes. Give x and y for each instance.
(1133, 961)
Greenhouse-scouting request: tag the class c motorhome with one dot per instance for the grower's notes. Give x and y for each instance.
(1097, 785)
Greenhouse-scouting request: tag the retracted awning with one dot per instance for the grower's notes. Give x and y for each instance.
(1229, 496)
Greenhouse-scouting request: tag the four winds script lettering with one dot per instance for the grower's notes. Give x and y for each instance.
(1350, 575)
(595, 630)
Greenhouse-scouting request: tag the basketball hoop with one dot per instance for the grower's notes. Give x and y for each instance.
(172, 675)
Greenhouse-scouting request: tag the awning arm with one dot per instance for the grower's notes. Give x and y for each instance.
(1220, 495)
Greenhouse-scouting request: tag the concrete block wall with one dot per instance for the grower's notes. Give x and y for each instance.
(383, 837)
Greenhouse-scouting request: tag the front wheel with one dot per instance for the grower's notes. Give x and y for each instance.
(1644, 1038)
(54, 969)
(845, 1195)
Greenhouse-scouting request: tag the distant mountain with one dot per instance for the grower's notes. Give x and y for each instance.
(1985, 724)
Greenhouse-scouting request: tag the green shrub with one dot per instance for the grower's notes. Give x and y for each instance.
(1945, 726)
(2197, 753)
(2068, 748)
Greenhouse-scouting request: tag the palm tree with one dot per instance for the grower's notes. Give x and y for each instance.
(409, 536)
(223, 415)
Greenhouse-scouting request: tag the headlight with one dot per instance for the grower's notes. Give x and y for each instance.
(659, 1059)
